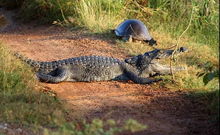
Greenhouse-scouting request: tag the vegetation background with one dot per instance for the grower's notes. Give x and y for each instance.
(166, 20)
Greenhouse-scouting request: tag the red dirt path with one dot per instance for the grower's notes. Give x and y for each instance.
(164, 111)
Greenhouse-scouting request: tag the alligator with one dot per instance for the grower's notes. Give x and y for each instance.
(153, 67)
(100, 68)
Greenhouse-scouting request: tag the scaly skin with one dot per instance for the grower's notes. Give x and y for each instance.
(99, 68)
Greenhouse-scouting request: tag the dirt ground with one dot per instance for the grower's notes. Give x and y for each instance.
(164, 111)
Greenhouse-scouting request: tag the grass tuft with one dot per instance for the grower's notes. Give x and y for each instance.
(98, 127)
(20, 101)
(97, 15)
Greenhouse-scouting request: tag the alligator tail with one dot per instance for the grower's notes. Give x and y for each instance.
(40, 66)
(30, 62)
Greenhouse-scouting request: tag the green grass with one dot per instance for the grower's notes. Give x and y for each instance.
(173, 17)
(97, 127)
(98, 15)
(20, 101)
(44, 10)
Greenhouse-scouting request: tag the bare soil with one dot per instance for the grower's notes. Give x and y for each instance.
(164, 111)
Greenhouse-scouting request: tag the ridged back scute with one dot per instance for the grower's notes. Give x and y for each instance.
(50, 66)
(32, 63)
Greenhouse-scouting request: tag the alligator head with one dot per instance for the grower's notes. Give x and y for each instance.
(147, 60)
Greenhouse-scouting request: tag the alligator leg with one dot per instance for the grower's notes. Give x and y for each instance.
(56, 76)
(140, 80)
(163, 70)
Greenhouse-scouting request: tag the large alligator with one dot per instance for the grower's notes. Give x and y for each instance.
(99, 68)
(148, 65)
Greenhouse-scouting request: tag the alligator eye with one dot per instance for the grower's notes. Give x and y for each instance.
(127, 60)
(183, 49)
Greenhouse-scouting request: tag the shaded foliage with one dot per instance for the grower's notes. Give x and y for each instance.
(210, 76)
